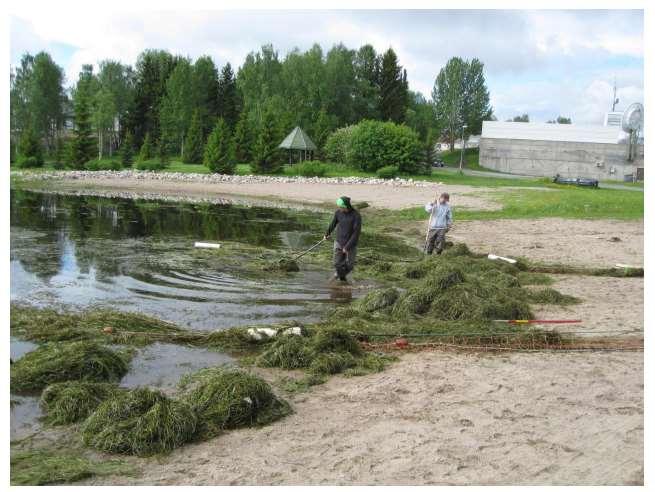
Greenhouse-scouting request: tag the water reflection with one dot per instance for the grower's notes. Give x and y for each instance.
(138, 255)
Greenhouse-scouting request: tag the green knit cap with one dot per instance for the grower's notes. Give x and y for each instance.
(341, 203)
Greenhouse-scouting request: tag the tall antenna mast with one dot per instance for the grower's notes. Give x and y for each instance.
(615, 100)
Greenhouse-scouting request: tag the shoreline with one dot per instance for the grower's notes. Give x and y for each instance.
(436, 417)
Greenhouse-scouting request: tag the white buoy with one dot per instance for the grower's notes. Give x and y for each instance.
(502, 258)
(207, 245)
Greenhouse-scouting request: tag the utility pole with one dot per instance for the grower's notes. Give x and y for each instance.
(461, 154)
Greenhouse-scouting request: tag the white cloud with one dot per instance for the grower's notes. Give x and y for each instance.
(541, 62)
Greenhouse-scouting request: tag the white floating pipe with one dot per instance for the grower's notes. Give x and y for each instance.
(207, 245)
(496, 257)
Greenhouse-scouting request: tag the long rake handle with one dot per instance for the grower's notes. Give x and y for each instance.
(310, 249)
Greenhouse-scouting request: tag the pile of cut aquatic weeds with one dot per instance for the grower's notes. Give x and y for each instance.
(44, 467)
(455, 294)
(67, 361)
(459, 285)
(140, 422)
(323, 351)
(50, 325)
(144, 422)
(73, 401)
(224, 398)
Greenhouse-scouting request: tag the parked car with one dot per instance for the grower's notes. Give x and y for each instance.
(592, 183)
(438, 163)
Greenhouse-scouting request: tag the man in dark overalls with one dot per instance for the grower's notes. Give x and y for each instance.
(349, 225)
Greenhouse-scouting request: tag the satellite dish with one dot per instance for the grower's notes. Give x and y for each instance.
(633, 118)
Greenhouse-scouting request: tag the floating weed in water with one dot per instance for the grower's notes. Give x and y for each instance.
(67, 361)
(282, 265)
(44, 467)
(141, 422)
(73, 401)
(228, 398)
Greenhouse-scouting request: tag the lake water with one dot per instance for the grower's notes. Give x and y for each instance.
(138, 255)
(76, 252)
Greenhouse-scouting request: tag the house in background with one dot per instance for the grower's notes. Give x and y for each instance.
(472, 142)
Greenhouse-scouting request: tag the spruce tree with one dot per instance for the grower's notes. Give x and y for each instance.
(219, 156)
(147, 152)
(193, 144)
(83, 145)
(127, 151)
(393, 88)
(243, 140)
(30, 152)
(430, 154)
(266, 158)
(228, 97)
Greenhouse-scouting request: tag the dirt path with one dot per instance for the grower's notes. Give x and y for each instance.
(439, 418)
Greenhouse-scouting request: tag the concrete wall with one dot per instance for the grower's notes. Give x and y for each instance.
(548, 158)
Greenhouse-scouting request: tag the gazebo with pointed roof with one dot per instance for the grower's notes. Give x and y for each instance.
(300, 141)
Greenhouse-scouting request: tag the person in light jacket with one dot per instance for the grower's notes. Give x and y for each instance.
(441, 218)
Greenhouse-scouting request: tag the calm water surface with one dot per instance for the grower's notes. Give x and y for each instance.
(137, 255)
(77, 252)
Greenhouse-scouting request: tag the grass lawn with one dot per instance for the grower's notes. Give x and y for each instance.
(563, 201)
(471, 159)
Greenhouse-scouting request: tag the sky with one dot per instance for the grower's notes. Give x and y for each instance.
(541, 62)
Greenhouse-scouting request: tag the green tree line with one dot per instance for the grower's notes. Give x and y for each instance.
(169, 105)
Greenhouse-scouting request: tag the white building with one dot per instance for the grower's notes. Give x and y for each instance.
(546, 149)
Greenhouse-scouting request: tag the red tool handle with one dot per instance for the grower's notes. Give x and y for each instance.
(538, 321)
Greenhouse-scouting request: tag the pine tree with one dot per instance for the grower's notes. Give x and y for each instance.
(219, 155)
(266, 155)
(146, 153)
(127, 151)
(393, 88)
(430, 155)
(83, 145)
(228, 97)
(30, 152)
(193, 144)
(243, 140)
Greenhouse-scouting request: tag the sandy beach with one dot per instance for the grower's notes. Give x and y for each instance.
(442, 417)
